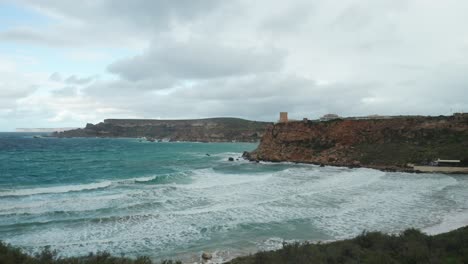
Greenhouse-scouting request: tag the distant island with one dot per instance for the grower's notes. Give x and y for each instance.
(399, 143)
(222, 129)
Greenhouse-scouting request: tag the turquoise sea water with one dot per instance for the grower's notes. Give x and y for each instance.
(179, 199)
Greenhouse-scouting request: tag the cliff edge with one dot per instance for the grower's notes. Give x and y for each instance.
(202, 130)
(378, 143)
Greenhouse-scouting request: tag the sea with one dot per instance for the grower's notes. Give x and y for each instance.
(175, 200)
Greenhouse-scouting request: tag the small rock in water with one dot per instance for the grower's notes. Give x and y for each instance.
(206, 256)
(231, 159)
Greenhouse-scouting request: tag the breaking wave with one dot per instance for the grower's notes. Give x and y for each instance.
(56, 189)
(80, 187)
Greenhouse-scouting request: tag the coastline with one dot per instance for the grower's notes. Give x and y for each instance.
(394, 144)
(386, 168)
(442, 227)
(227, 256)
(449, 223)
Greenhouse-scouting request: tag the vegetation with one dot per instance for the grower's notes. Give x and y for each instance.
(419, 147)
(411, 246)
(383, 143)
(13, 255)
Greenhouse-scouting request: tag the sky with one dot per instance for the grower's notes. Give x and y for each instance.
(67, 63)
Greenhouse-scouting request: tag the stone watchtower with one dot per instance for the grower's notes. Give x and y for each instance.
(283, 117)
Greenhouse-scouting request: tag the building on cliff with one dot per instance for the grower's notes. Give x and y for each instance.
(329, 117)
(283, 117)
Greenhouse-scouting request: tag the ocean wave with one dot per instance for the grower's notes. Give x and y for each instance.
(452, 221)
(56, 189)
(75, 218)
(223, 156)
(155, 179)
(137, 180)
(208, 179)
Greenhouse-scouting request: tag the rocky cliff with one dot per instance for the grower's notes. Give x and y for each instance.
(379, 143)
(202, 130)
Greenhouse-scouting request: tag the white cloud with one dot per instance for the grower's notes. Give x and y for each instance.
(239, 58)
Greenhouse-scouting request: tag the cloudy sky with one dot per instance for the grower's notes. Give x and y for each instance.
(66, 63)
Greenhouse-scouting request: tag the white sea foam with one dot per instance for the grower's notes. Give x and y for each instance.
(138, 179)
(209, 179)
(452, 221)
(339, 202)
(74, 187)
(144, 179)
(56, 189)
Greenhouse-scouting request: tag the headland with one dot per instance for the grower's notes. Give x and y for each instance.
(395, 143)
(223, 129)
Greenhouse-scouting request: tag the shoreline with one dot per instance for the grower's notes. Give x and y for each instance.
(437, 229)
(386, 168)
(450, 222)
(171, 141)
(225, 256)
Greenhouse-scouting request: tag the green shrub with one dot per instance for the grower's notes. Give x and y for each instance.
(411, 246)
(13, 255)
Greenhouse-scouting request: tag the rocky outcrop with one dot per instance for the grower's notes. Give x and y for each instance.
(379, 143)
(206, 256)
(201, 130)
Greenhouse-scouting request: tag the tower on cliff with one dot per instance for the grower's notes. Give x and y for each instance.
(283, 117)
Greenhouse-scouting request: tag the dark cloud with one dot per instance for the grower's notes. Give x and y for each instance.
(139, 13)
(106, 22)
(289, 19)
(10, 93)
(66, 91)
(31, 35)
(16, 92)
(55, 77)
(255, 97)
(195, 59)
(73, 79)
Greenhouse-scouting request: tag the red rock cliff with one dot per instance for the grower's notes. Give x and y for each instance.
(388, 143)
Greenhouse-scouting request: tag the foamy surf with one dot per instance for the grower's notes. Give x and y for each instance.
(136, 180)
(452, 221)
(74, 187)
(56, 189)
(174, 201)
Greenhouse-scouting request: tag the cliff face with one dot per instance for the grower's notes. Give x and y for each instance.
(203, 130)
(390, 143)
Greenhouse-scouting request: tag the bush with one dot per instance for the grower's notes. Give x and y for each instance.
(13, 255)
(411, 246)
